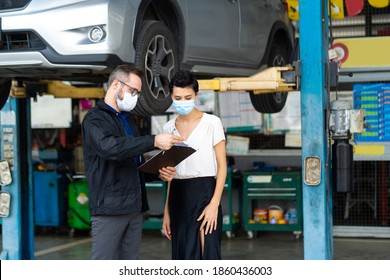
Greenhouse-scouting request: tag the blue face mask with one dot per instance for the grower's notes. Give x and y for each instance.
(184, 107)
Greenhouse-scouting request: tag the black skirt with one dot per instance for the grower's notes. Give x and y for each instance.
(187, 199)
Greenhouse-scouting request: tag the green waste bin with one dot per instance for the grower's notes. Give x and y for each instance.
(78, 211)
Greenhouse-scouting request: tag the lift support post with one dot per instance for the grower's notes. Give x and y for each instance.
(15, 135)
(317, 199)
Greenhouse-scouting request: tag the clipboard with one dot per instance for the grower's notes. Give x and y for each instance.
(171, 157)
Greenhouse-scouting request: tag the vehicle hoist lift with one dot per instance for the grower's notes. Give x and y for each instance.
(309, 75)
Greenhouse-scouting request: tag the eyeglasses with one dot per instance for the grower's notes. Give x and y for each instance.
(133, 91)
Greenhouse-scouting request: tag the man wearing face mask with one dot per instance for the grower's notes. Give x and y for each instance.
(113, 151)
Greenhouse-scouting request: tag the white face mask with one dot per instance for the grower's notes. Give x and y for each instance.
(127, 103)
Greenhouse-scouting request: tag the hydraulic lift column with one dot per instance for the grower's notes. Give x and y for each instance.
(317, 194)
(17, 223)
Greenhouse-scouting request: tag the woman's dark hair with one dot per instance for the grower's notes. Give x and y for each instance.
(184, 79)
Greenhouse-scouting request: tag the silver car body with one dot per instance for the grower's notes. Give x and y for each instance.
(49, 39)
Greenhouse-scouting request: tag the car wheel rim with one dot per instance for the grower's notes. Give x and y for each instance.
(278, 96)
(279, 61)
(159, 67)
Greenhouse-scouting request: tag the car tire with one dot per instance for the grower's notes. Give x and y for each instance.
(157, 56)
(272, 102)
(5, 87)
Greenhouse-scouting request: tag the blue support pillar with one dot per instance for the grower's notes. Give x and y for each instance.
(317, 205)
(15, 135)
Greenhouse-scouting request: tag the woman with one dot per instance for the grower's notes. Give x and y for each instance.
(192, 214)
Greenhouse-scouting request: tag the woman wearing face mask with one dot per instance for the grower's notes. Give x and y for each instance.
(192, 214)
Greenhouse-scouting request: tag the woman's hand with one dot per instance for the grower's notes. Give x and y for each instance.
(209, 216)
(166, 226)
(167, 173)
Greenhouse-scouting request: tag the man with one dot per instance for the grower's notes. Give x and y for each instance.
(112, 153)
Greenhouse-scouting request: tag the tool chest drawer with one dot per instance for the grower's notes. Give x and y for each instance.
(272, 185)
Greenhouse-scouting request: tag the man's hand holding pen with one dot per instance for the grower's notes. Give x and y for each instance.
(165, 141)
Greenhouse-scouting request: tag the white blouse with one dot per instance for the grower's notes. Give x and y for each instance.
(203, 138)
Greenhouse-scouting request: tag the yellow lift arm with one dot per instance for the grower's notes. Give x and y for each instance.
(270, 80)
(56, 88)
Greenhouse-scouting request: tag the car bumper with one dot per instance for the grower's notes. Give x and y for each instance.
(60, 34)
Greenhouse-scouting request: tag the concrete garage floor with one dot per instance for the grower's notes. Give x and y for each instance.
(264, 246)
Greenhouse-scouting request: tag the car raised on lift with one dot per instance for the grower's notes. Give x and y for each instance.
(79, 40)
